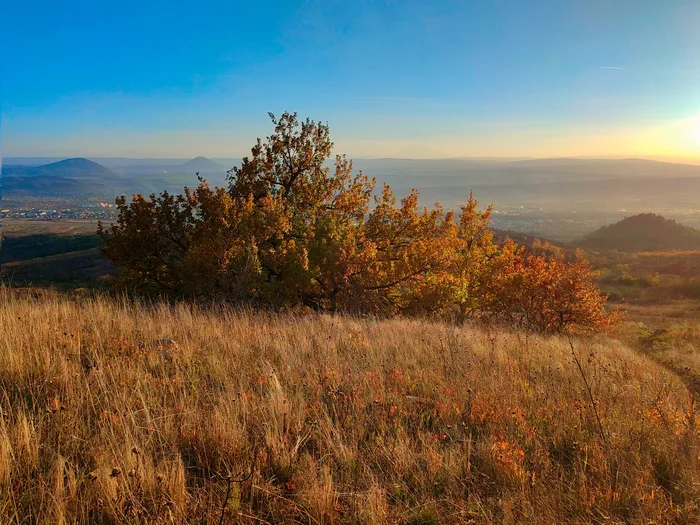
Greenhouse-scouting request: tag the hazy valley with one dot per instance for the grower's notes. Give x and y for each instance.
(560, 199)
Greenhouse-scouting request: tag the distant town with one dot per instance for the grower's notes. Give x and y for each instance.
(98, 210)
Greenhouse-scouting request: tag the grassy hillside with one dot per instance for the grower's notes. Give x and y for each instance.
(66, 271)
(650, 278)
(62, 254)
(69, 177)
(257, 418)
(28, 239)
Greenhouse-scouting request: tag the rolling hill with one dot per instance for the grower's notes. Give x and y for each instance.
(646, 232)
(201, 164)
(77, 168)
(76, 176)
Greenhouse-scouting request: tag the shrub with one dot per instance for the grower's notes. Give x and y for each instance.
(289, 230)
(546, 294)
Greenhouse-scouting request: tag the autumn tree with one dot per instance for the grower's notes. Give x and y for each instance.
(151, 240)
(543, 292)
(293, 228)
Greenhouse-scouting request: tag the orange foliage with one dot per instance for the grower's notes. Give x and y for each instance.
(546, 293)
(289, 230)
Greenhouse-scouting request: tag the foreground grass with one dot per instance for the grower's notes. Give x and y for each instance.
(257, 418)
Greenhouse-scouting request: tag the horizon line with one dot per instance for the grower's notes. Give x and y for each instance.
(669, 159)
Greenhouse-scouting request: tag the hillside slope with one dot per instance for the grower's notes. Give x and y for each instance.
(645, 232)
(77, 176)
(259, 418)
(77, 168)
(59, 254)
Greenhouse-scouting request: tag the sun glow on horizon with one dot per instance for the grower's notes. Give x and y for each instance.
(695, 132)
(675, 138)
(686, 134)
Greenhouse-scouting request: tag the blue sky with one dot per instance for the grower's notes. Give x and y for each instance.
(392, 78)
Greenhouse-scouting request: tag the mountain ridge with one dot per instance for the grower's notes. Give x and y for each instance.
(73, 168)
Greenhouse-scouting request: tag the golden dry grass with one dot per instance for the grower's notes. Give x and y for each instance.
(677, 347)
(259, 418)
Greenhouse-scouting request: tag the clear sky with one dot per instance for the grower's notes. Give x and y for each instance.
(392, 78)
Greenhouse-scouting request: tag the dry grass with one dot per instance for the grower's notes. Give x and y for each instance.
(661, 316)
(677, 347)
(659, 279)
(257, 418)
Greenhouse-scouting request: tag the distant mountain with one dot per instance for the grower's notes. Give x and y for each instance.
(646, 232)
(66, 177)
(74, 168)
(201, 164)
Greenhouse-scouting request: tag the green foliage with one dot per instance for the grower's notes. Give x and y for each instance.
(425, 516)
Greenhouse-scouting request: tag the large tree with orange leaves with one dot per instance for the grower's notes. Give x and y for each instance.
(290, 229)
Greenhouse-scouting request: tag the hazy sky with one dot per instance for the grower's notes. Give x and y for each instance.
(392, 78)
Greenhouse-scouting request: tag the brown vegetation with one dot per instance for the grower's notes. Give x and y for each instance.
(650, 278)
(118, 412)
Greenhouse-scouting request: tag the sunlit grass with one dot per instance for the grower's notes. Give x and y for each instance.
(115, 412)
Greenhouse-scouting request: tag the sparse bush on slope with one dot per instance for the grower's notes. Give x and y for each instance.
(270, 418)
(290, 231)
(546, 294)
